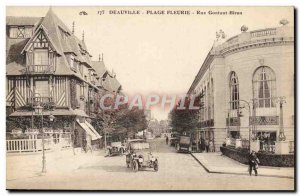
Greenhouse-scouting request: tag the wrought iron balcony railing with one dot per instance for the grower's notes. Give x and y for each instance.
(40, 69)
(43, 101)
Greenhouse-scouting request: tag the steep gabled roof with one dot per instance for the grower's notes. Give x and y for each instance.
(115, 84)
(99, 67)
(41, 27)
(111, 84)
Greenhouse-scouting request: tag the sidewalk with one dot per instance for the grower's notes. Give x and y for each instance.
(217, 163)
(23, 166)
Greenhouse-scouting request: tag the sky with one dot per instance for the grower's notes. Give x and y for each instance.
(158, 54)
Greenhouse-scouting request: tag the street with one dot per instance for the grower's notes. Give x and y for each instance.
(177, 171)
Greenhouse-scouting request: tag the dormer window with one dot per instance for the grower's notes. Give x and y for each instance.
(41, 57)
(72, 62)
(63, 34)
(20, 32)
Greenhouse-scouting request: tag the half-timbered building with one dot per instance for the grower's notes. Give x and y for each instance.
(48, 66)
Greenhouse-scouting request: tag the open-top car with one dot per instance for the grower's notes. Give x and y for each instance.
(140, 156)
(184, 144)
(115, 148)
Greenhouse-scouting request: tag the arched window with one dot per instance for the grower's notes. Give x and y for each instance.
(264, 87)
(234, 91)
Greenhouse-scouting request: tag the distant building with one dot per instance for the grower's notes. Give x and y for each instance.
(252, 69)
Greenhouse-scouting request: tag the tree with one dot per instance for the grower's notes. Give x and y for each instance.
(120, 123)
(131, 121)
(187, 119)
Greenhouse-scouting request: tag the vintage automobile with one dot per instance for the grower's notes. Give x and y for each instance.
(140, 156)
(116, 148)
(184, 144)
(173, 140)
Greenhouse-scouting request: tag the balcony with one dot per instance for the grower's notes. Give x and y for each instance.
(43, 101)
(207, 123)
(40, 69)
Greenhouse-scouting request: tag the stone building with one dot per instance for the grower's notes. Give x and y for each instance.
(245, 80)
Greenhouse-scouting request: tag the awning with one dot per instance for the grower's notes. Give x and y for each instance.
(93, 129)
(89, 130)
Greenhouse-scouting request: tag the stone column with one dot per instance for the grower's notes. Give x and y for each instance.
(254, 145)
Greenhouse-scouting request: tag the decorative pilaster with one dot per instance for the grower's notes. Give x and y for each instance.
(281, 136)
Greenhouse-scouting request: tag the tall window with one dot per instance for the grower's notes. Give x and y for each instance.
(234, 91)
(41, 57)
(264, 87)
(42, 88)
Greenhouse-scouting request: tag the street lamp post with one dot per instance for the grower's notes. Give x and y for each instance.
(39, 110)
(248, 105)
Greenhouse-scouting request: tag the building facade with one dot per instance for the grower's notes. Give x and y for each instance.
(47, 66)
(248, 85)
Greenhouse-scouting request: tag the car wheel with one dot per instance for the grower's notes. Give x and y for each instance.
(156, 166)
(135, 166)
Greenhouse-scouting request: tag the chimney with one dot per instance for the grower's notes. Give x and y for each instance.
(73, 27)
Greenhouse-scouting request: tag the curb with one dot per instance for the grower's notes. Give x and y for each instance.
(235, 173)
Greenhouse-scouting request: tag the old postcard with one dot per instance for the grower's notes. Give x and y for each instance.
(150, 98)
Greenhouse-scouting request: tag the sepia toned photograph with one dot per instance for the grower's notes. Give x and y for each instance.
(170, 98)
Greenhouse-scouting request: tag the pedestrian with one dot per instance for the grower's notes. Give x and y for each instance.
(199, 145)
(167, 140)
(202, 145)
(253, 163)
(194, 145)
(211, 146)
(206, 145)
(89, 143)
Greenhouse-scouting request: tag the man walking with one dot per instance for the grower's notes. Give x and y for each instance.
(167, 140)
(206, 145)
(253, 163)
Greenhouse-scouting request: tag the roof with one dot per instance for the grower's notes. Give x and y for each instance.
(25, 21)
(99, 67)
(54, 30)
(115, 84)
(14, 60)
(111, 84)
(53, 27)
